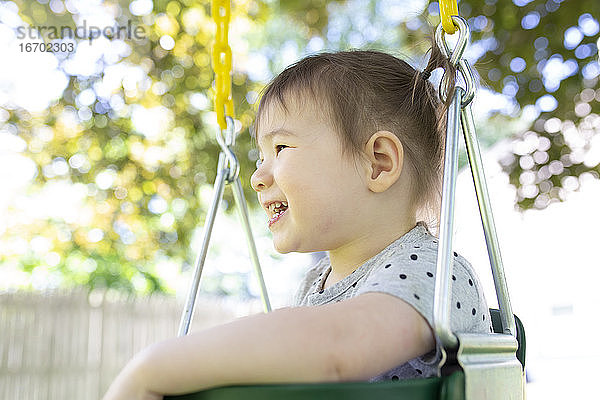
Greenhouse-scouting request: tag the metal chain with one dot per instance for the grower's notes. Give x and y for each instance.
(448, 8)
(221, 59)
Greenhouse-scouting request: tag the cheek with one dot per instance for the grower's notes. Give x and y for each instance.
(313, 188)
(294, 177)
(327, 223)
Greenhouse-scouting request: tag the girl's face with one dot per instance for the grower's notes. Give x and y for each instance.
(302, 165)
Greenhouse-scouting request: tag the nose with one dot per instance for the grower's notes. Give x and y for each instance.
(261, 178)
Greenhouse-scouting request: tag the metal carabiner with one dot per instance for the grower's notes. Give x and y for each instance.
(456, 59)
(467, 73)
(464, 35)
(226, 144)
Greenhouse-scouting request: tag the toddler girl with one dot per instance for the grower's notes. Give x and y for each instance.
(351, 147)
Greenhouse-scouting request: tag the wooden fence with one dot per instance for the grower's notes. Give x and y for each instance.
(70, 346)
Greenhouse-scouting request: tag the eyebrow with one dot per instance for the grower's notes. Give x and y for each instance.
(278, 131)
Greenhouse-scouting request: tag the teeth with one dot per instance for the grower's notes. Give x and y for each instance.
(275, 205)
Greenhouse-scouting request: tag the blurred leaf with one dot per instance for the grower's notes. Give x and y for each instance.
(137, 139)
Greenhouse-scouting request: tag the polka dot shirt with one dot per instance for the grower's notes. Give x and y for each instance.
(406, 269)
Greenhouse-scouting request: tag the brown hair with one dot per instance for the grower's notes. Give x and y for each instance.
(363, 91)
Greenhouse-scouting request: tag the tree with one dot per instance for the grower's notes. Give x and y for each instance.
(134, 133)
(544, 55)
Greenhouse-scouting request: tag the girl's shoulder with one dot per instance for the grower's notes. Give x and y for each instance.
(409, 272)
(421, 252)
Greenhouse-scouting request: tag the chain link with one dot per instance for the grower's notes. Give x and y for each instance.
(221, 59)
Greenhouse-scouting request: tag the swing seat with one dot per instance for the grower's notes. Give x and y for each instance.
(450, 387)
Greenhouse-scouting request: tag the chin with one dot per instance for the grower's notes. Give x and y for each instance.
(286, 246)
(281, 249)
(294, 249)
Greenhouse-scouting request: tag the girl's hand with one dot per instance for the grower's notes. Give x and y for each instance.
(129, 385)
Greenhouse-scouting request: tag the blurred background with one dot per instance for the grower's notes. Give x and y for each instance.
(108, 156)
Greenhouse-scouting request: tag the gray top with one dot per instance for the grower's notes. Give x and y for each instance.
(406, 269)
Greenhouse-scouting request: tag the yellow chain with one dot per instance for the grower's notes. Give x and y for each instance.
(447, 9)
(221, 59)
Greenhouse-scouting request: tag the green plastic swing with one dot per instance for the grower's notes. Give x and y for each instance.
(477, 366)
(448, 387)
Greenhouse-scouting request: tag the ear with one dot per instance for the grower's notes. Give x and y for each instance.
(385, 155)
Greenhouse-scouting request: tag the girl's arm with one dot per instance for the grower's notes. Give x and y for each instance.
(350, 340)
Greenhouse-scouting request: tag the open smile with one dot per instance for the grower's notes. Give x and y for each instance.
(277, 217)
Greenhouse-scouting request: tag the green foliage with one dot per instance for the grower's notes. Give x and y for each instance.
(521, 64)
(142, 185)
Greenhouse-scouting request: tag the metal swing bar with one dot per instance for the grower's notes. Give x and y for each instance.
(226, 174)
(228, 167)
(461, 116)
(489, 361)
